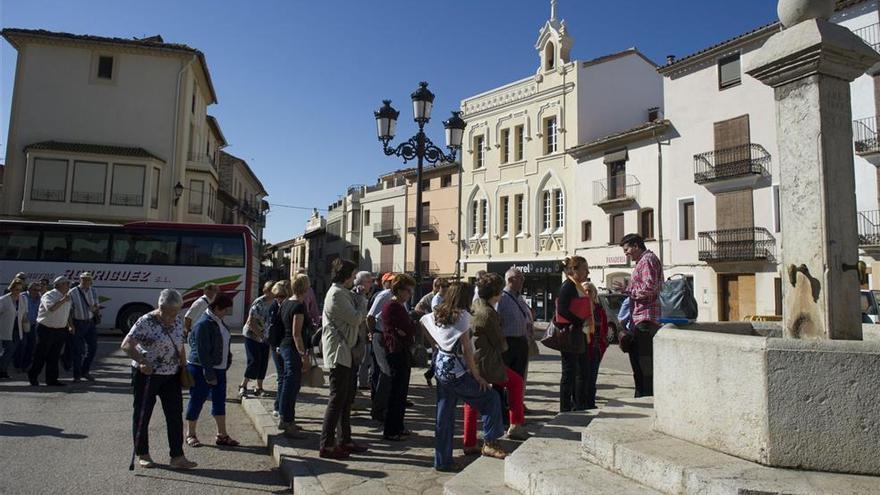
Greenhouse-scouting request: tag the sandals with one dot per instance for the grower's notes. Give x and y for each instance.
(226, 440)
(192, 441)
(259, 392)
(242, 392)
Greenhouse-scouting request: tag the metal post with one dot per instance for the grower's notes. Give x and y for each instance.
(458, 234)
(420, 154)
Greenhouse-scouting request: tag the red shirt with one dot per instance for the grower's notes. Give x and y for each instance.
(644, 289)
(394, 319)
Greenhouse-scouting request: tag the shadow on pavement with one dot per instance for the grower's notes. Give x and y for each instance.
(18, 429)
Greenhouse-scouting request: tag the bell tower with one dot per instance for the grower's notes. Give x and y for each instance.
(554, 43)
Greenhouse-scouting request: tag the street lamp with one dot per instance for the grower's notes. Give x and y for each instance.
(419, 147)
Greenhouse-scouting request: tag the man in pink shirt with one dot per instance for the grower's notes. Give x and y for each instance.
(643, 290)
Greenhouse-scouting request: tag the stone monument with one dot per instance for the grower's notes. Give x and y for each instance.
(809, 400)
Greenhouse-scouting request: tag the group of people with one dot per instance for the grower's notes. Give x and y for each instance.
(43, 328)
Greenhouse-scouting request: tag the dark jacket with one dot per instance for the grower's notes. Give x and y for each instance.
(206, 346)
(395, 319)
(489, 342)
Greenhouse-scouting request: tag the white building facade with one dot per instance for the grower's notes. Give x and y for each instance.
(384, 214)
(518, 181)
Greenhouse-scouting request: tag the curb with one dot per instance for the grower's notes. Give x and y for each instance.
(292, 465)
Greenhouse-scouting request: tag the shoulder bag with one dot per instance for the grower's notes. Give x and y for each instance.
(186, 379)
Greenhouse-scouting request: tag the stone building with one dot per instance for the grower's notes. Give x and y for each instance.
(242, 195)
(518, 181)
(383, 213)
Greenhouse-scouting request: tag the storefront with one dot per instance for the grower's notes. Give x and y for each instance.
(542, 281)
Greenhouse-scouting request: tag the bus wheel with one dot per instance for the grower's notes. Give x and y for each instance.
(129, 315)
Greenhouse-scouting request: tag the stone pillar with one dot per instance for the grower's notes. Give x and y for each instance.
(810, 65)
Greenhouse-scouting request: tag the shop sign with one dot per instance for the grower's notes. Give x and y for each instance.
(527, 267)
(617, 261)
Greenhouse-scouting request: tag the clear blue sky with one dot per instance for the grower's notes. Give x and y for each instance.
(297, 81)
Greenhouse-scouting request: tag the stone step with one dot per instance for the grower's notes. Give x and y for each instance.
(550, 464)
(621, 439)
(484, 476)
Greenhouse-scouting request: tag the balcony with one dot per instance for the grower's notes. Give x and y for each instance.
(250, 211)
(869, 230)
(870, 35)
(429, 268)
(386, 233)
(429, 225)
(865, 136)
(386, 267)
(615, 192)
(749, 244)
(731, 168)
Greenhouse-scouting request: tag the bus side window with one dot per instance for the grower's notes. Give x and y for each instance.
(88, 247)
(19, 245)
(55, 247)
(212, 250)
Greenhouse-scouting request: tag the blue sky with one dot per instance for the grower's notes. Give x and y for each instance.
(297, 81)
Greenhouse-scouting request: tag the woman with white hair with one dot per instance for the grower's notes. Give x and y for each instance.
(13, 324)
(155, 345)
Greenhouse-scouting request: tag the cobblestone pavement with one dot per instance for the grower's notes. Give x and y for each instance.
(407, 467)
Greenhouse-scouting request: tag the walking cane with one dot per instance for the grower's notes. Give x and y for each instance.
(137, 435)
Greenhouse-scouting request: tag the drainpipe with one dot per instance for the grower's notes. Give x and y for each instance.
(458, 228)
(172, 213)
(659, 198)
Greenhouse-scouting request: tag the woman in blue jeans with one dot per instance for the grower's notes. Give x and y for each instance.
(458, 377)
(208, 360)
(292, 350)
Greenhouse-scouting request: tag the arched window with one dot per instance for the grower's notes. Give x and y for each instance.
(550, 56)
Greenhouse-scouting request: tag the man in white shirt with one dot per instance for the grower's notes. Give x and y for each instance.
(84, 302)
(198, 308)
(53, 325)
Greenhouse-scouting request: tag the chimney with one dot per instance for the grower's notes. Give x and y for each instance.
(670, 59)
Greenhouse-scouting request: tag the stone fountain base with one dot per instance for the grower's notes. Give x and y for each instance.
(778, 402)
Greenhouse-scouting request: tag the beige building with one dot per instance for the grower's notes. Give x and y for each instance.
(439, 220)
(517, 184)
(103, 129)
(242, 195)
(383, 213)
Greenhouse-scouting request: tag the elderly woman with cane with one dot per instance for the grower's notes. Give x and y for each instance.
(155, 345)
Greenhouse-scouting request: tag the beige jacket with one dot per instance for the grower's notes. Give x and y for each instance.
(344, 311)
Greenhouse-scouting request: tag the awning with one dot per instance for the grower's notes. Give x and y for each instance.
(616, 156)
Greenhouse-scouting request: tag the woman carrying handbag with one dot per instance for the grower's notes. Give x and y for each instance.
(574, 310)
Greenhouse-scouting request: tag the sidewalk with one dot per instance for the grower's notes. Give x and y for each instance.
(401, 467)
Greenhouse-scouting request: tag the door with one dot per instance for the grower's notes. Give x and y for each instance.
(617, 180)
(735, 222)
(736, 296)
(386, 258)
(387, 218)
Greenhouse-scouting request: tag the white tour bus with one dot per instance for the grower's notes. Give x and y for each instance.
(131, 263)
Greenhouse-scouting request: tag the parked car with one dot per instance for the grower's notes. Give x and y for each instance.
(611, 302)
(870, 308)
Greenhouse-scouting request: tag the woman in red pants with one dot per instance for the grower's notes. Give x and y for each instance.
(490, 344)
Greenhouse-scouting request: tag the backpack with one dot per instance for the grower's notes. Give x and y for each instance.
(276, 325)
(677, 298)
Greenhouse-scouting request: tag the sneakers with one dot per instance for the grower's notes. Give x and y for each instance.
(493, 449)
(181, 462)
(290, 430)
(242, 392)
(333, 453)
(518, 432)
(276, 414)
(354, 448)
(146, 462)
(472, 450)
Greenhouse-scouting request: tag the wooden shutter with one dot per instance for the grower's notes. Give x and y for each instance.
(729, 134)
(689, 226)
(387, 218)
(386, 258)
(734, 210)
(617, 226)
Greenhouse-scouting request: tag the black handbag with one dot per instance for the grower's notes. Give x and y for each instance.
(567, 338)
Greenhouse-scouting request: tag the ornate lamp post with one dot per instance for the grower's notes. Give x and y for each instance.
(420, 148)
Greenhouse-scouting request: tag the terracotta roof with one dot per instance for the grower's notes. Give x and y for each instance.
(620, 54)
(96, 149)
(632, 134)
(14, 35)
(763, 31)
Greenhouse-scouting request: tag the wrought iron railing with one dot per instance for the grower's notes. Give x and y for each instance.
(87, 197)
(386, 230)
(730, 163)
(386, 267)
(47, 194)
(429, 267)
(126, 199)
(870, 35)
(429, 224)
(865, 136)
(249, 210)
(616, 188)
(749, 244)
(869, 228)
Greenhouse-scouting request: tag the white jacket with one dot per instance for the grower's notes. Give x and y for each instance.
(8, 314)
